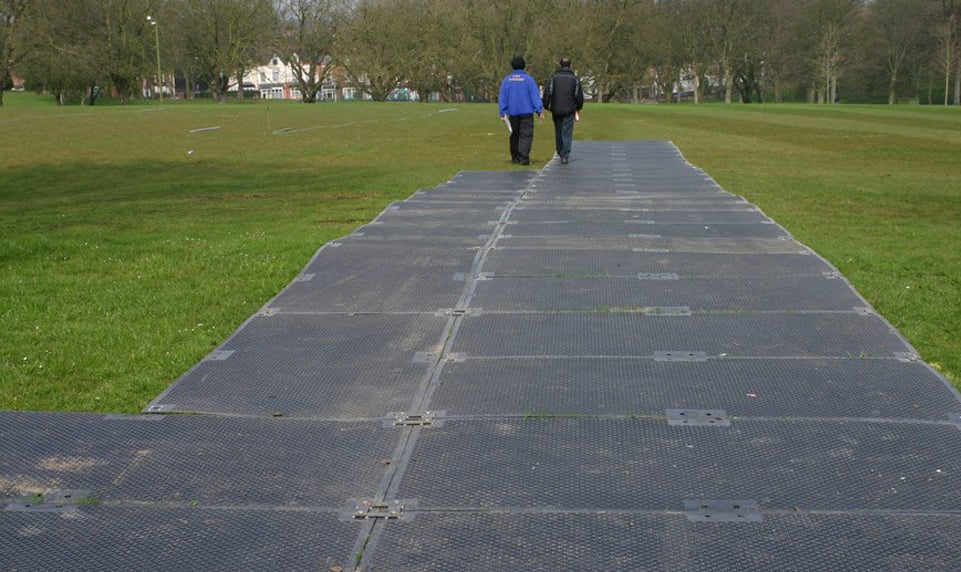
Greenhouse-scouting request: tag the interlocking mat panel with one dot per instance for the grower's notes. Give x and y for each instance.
(608, 365)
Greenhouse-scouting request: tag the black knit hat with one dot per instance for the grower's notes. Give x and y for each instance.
(518, 63)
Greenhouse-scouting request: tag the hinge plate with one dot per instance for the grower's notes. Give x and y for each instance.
(220, 355)
(722, 511)
(405, 419)
(697, 417)
(134, 417)
(458, 312)
(907, 356)
(65, 500)
(657, 276)
(679, 355)
(372, 509)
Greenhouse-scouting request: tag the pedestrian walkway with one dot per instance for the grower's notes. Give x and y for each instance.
(609, 365)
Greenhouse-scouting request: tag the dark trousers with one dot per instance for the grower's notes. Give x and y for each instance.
(563, 134)
(522, 137)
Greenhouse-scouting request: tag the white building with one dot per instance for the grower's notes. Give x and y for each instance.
(277, 80)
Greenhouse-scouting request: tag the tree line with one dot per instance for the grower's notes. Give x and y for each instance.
(819, 51)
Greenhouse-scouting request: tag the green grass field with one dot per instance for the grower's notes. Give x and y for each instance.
(133, 240)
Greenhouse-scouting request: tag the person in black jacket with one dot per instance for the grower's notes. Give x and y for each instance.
(564, 97)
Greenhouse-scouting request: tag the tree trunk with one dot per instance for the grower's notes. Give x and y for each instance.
(697, 84)
(824, 97)
(220, 85)
(4, 74)
(728, 83)
(957, 83)
(948, 43)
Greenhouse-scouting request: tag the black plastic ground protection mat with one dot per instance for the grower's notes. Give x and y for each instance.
(613, 193)
(397, 216)
(497, 181)
(751, 388)
(660, 294)
(654, 244)
(452, 196)
(418, 210)
(436, 229)
(542, 462)
(619, 192)
(657, 171)
(130, 537)
(373, 277)
(665, 173)
(618, 542)
(850, 336)
(428, 200)
(523, 457)
(628, 228)
(628, 184)
(420, 241)
(329, 365)
(194, 460)
(636, 201)
(647, 165)
(736, 215)
(563, 262)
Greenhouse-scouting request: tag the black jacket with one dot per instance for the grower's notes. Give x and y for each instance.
(563, 94)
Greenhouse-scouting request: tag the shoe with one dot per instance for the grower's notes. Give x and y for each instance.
(564, 160)
(525, 162)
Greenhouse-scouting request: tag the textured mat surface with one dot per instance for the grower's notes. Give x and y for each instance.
(609, 365)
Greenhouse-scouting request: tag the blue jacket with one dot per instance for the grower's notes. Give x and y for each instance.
(519, 95)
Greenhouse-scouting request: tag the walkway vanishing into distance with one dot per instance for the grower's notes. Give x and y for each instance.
(608, 365)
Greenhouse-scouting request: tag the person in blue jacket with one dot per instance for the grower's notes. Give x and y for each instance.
(520, 100)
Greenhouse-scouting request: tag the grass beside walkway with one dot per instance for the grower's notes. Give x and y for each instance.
(134, 239)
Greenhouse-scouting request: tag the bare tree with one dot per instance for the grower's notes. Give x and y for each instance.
(784, 63)
(946, 32)
(609, 30)
(431, 55)
(308, 29)
(64, 57)
(898, 27)
(226, 37)
(463, 47)
(731, 26)
(14, 39)
(123, 38)
(689, 40)
(502, 29)
(828, 22)
(372, 44)
(665, 47)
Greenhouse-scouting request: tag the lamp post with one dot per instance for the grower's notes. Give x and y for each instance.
(156, 31)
